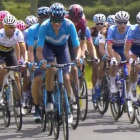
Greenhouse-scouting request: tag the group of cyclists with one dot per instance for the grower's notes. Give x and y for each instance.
(59, 36)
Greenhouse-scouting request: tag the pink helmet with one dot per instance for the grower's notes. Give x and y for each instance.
(21, 25)
(3, 14)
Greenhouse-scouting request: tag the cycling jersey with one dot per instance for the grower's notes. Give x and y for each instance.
(133, 36)
(117, 39)
(88, 35)
(47, 33)
(94, 33)
(25, 35)
(80, 26)
(32, 35)
(7, 44)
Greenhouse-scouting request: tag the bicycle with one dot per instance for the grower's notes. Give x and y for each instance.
(11, 99)
(61, 105)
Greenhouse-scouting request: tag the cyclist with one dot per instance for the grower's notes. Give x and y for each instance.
(32, 36)
(111, 20)
(9, 36)
(115, 45)
(30, 20)
(76, 15)
(54, 41)
(100, 21)
(133, 44)
(2, 15)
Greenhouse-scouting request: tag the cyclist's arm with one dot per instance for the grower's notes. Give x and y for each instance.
(22, 46)
(127, 48)
(17, 50)
(75, 40)
(30, 43)
(128, 43)
(40, 42)
(102, 41)
(110, 43)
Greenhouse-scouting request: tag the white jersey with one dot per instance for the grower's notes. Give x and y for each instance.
(102, 38)
(7, 44)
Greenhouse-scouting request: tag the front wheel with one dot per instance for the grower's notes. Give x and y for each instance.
(64, 112)
(5, 107)
(83, 98)
(17, 106)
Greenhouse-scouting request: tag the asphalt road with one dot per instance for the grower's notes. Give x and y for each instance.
(95, 127)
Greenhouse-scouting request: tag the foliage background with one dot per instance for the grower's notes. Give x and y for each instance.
(21, 8)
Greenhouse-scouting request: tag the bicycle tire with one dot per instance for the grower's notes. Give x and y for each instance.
(131, 114)
(77, 110)
(17, 105)
(104, 97)
(6, 113)
(115, 112)
(43, 120)
(64, 112)
(83, 114)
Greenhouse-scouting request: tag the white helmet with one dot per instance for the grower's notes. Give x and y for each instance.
(30, 20)
(122, 15)
(111, 20)
(97, 18)
(10, 20)
(138, 17)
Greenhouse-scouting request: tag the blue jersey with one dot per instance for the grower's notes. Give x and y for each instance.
(133, 36)
(25, 35)
(46, 33)
(117, 39)
(32, 35)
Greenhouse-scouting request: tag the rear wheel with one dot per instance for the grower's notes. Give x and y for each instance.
(83, 98)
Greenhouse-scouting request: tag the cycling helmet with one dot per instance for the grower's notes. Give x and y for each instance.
(76, 11)
(138, 17)
(99, 18)
(57, 11)
(10, 20)
(30, 20)
(21, 25)
(122, 15)
(3, 14)
(111, 20)
(43, 12)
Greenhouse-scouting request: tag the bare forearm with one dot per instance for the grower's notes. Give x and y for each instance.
(126, 53)
(110, 51)
(23, 51)
(82, 45)
(91, 49)
(78, 52)
(17, 50)
(39, 54)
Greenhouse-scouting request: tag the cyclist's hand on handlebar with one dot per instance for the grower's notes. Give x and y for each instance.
(132, 61)
(31, 66)
(113, 61)
(42, 64)
(96, 60)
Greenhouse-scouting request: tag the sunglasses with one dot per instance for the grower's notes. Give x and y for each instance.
(99, 23)
(56, 20)
(120, 23)
(9, 27)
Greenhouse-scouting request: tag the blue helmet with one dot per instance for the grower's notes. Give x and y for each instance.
(111, 20)
(43, 12)
(57, 11)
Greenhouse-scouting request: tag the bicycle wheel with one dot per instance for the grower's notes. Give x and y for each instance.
(130, 111)
(64, 112)
(49, 126)
(56, 126)
(17, 106)
(44, 120)
(5, 107)
(75, 109)
(115, 106)
(103, 101)
(83, 98)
